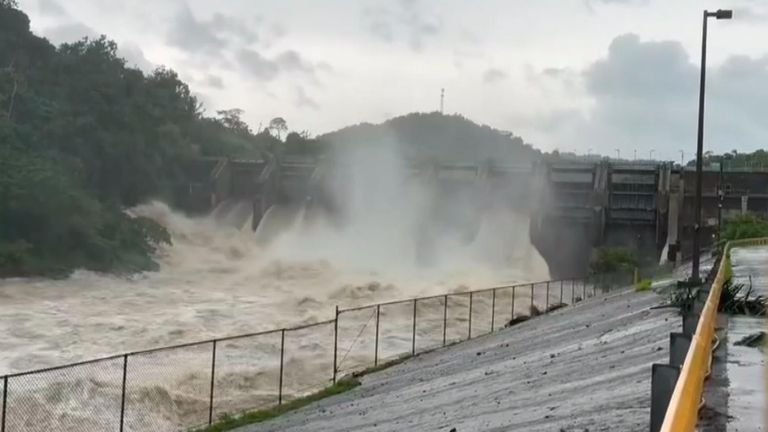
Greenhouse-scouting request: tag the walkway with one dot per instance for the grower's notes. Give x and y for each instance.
(746, 365)
(582, 368)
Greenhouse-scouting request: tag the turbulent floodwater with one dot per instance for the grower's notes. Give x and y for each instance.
(216, 281)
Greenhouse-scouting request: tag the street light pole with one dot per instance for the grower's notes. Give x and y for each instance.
(618, 153)
(719, 14)
(650, 154)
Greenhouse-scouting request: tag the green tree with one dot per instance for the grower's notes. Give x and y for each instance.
(279, 125)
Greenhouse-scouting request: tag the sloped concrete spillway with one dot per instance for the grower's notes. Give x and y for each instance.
(581, 368)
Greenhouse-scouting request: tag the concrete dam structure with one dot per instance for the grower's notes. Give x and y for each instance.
(574, 206)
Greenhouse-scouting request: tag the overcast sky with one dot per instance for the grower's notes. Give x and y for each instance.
(568, 74)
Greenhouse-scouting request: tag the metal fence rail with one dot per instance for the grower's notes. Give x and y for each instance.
(188, 386)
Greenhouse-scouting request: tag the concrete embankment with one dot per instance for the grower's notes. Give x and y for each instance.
(582, 368)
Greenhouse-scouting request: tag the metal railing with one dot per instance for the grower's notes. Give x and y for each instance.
(684, 403)
(191, 385)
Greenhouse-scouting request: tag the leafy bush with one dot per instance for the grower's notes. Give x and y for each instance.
(612, 259)
(644, 285)
(744, 227)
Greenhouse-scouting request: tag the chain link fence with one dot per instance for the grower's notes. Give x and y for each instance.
(190, 386)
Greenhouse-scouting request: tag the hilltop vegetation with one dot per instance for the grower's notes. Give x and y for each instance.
(437, 137)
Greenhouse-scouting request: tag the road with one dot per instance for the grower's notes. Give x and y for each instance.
(586, 367)
(745, 365)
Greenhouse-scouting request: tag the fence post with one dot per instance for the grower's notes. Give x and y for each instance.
(470, 316)
(335, 341)
(532, 305)
(445, 316)
(514, 288)
(561, 291)
(573, 291)
(583, 289)
(122, 393)
(376, 344)
(5, 402)
(282, 358)
(493, 309)
(413, 336)
(546, 305)
(213, 375)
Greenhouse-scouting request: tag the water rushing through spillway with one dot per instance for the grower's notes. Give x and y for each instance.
(218, 281)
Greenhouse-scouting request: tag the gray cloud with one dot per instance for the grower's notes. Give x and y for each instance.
(623, 2)
(589, 4)
(257, 65)
(210, 37)
(303, 100)
(493, 75)
(751, 14)
(51, 8)
(292, 61)
(232, 27)
(190, 34)
(287, 61)
(645, 97)
(406, 21)
(214, 81)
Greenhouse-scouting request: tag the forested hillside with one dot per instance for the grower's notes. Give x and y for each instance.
(82, 137)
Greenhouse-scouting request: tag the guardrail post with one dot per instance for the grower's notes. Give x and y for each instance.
(122, 394)
(493, 309)
(335, 341)
(690, 322)
(413, 336)
(532, 305)
(678, 348)
(561, 291)
(469, 330)
(376, 344)
(445, 316)
(282, 358)
(213, 379)
(546, 304)
(663, 380)
(5, 403)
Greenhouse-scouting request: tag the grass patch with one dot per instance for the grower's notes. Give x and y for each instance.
(382, 366)
(644, 285)
(228, 423)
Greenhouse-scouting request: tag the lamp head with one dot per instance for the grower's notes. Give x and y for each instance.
(723, 14)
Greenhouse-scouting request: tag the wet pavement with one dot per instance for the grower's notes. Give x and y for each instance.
(751, 263)
(586, 367)
(746, 365)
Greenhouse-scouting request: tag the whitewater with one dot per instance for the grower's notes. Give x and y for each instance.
(217, 281)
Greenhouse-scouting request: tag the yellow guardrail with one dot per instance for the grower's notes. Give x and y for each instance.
(683, 410)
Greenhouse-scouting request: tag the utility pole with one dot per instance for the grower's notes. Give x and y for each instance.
(682, 158)
(618, 153)
(442, 99)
